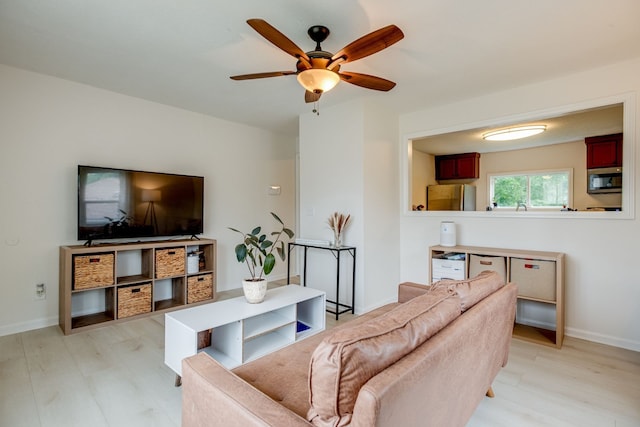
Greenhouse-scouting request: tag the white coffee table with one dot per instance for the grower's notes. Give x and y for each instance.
(241, 332)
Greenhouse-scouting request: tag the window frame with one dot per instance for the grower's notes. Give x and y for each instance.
(118, 202)
(528, 174)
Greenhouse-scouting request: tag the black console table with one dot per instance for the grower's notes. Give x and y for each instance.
(336, 253)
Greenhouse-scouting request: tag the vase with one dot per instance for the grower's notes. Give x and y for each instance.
(337, 239)
(254, 290)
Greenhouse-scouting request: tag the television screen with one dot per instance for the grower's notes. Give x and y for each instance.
(119, 203)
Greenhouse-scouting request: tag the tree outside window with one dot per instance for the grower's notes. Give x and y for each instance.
(541, 189)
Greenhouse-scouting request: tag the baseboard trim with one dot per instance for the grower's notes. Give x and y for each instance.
(603, 339)
(30, 325)
(586, 335)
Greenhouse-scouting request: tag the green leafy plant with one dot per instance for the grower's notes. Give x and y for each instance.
(256, 250)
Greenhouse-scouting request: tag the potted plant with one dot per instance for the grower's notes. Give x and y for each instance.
(256, 250)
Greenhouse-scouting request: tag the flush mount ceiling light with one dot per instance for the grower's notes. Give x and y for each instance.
(515, 132)
(318, 80)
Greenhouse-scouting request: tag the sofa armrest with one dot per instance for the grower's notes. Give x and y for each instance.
(409, 290)
(212, 395)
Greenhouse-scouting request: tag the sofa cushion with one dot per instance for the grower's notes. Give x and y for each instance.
(347, 359)
(283, 375)
(471, 291)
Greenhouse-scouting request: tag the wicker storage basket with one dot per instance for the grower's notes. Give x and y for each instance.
(93, 271)
(199, 288)
(170, 262)
(134, 300)
(204, 339)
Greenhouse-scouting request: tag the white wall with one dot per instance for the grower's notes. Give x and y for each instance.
(48, 126)
(331, 180)
(381, 244)
(603, 286)
(348, 163)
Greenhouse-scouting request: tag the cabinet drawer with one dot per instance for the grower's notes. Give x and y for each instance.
(478, 264)
(93, 271)
(133, 300)
(170, 262)
(442, 263)
(199, 288)
(534, 278)
(447, 269)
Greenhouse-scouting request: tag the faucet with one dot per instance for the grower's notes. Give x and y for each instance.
(521, 205)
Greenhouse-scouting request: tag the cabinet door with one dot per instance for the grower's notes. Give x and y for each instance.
(467, 167)
(604, 151)
(446, 167)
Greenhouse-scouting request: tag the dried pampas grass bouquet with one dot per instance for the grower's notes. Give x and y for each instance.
(338, 222)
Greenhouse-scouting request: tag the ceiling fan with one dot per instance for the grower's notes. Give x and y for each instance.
(319, 71)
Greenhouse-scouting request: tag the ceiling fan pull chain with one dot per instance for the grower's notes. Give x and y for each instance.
(316, 107)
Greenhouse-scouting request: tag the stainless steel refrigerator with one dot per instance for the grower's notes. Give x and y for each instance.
(451, 197)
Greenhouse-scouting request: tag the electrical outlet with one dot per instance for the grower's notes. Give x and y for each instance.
(41, 291)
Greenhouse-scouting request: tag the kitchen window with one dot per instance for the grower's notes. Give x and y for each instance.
(538, 190)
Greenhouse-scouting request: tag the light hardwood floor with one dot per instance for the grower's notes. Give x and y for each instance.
(115, 376)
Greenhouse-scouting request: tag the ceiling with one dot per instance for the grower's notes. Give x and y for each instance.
(560, 129)
(182, 53)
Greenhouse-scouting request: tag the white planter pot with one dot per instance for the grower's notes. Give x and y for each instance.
(254, 291)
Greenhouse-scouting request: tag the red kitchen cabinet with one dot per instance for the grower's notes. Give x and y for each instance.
(604, 151)
(458, 166)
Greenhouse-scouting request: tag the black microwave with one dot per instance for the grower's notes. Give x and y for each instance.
(604, 180)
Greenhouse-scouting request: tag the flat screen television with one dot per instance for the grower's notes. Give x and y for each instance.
(124, 204)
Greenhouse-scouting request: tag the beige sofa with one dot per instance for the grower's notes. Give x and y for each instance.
(427, 360)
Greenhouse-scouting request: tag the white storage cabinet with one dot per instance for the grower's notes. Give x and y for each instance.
(236, 332)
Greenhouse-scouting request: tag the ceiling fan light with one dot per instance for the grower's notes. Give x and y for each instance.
(512, 133)
(318, 80)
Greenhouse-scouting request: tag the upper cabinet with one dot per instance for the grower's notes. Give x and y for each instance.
(458, 166)
(604, 151)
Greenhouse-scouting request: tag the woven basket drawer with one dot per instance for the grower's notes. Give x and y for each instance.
(134, 300)
(534, 278)
(93, 271)
(199, 288)
(170, 262)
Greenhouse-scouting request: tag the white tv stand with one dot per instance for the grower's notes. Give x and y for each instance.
(235, 332)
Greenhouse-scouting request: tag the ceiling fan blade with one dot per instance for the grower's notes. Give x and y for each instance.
(369, 44)
(311, 96)
(367, 81)
(270, 33)
(263, 75)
